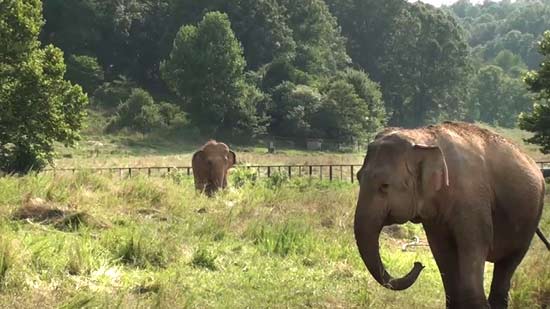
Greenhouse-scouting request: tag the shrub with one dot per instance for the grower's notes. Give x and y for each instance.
(277, 180)
(138, 113)
(112, 94)
(85, 71)
(140, 248)
(243, 176)
(203, 258)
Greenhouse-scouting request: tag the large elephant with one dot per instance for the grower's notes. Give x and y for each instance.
(210, 166)
(477, 195)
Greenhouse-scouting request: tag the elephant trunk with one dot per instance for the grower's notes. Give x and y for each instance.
(216, 178)
(367, 234)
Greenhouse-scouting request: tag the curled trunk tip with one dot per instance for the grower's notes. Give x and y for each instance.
(367, 236)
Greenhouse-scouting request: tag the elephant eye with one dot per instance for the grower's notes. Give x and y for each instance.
(384, 188)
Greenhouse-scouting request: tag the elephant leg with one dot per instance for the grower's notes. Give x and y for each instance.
(444, 252)
(502, 275)
(473, 237)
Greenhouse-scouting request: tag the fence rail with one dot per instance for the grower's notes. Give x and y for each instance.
(340, 172)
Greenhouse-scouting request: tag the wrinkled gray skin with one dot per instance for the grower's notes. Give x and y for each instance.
(210, 166)
(478, 197)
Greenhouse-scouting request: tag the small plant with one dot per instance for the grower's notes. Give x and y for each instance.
(140, 248)
(277, 180)
(243, 176)
(177, 176)
(283, 240)
(203, 258)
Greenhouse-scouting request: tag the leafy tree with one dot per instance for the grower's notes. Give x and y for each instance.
(538, 121)
(320, 47)
(499, 99)
(426, 67)
(351, 108)
(293, 109)
(509, 62)
(37, 106)
(85, 71)
(367, 26)
(206, 70)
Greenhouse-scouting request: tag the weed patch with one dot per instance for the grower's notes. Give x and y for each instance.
(203, 258)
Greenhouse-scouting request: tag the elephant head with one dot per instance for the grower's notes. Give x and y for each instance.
(398, 180)
(210, 166)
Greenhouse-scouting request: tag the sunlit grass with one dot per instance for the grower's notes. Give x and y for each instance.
(276, 243)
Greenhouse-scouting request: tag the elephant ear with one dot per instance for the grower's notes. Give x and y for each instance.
(199, 159)
(232, 158)
(433, 170)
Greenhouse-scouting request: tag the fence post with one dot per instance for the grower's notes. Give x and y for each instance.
(310, 171)
(130, 172)
(341, 173)
(149, 171)
(268, 171)
(320, 172)
(300, 171)
(290, 172)
(330, 172)
(351, 170)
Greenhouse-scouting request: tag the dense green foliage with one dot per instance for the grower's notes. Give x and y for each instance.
(271, 65)
(205, 69)
(497, 97)
(416, 52)
(37, 106)
(539, 82)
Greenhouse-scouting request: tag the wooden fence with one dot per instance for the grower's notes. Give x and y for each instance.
(330, 172)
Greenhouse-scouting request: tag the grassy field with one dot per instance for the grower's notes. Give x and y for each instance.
(155, 243)
(135, 150)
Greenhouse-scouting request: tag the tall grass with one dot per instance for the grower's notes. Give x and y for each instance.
(261, 243)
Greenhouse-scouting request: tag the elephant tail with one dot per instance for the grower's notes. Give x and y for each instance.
(544, 240)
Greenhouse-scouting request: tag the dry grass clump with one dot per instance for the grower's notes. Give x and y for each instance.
(36, 210)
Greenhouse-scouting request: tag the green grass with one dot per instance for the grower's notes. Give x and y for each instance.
(283, 243)
(134, 149)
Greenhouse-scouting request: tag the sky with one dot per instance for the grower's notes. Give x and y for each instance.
(445, 2)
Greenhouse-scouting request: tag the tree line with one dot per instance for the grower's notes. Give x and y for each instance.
(338, 69)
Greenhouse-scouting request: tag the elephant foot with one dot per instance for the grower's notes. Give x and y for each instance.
(499, 303)
(470, 304)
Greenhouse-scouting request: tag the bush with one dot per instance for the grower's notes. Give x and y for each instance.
(277, 180)
(138, 113)
(112, 94)
(85, 71)
(243, 176)
(172, 115)
(203, 258)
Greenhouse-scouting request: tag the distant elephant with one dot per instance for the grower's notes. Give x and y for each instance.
(210, 166)
(477, 195)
